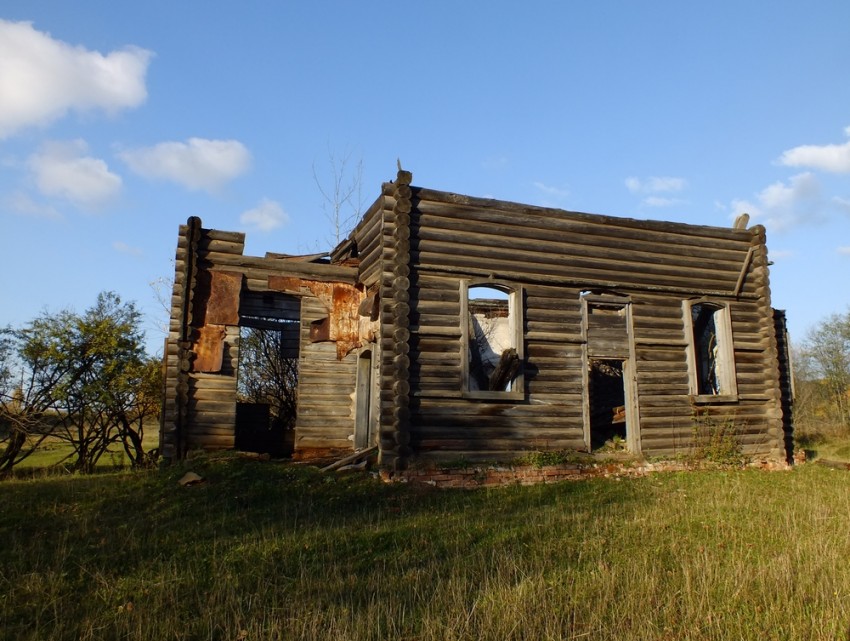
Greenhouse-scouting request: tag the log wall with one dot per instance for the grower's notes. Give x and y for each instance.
(556, 255)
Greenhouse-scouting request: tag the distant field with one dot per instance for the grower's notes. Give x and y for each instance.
(273, 551)
(53, 451)
(823, 440)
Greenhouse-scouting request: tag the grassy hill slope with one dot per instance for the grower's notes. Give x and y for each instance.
(269, 551)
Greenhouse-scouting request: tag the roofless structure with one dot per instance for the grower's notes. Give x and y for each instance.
(448, 326)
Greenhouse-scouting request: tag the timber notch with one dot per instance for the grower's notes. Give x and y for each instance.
(448, 326)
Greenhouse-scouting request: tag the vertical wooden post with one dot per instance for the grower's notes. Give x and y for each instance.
(178, 354)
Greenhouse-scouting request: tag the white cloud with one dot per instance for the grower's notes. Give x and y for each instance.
(196, 164)
(41, 78)
(124, 248)
(655, 184)
(266, 216)
(61, 170)
(844, 251)
(834, 158)
(781, 206)
(23, 205)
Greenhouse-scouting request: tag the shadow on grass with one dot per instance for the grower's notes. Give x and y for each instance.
(100, 540)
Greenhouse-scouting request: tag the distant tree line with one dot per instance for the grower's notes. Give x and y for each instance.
(822, 377)
(82, 380)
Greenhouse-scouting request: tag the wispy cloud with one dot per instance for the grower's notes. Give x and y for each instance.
(782, 205)
(551, 196)
(266, 216)
(842, 203)
(661, 201)
(495, 162)
(653, 186)
(549, 190)
(197, 164)
(844, 251)
(781, 254)
(42, 79)
(834, 158)
(123, 248)
(22, 204)
(62, 170)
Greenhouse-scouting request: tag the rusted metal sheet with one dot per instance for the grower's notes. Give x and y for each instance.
(223, 303)
(344, 303)
(288, 284)
(345, 321)
(209, 349)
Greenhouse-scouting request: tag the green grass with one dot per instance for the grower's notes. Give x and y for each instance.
(272, 551)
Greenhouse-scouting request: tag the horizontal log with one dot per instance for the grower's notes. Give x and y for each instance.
(209, 441)
(314, 271)
(221, 246)
(218, 234)
(573, 249)
(626, 286)
(493, 447)
(431, 201)
(309, 442)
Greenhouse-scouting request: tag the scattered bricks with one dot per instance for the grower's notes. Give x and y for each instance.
(493, 476)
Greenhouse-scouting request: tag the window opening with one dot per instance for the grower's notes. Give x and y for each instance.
(710, 366)
(607, 405)
(493, 353)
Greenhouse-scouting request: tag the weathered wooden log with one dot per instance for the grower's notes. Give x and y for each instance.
(506, 370)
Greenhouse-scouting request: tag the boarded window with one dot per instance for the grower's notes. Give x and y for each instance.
(711, 357)
(492, 337)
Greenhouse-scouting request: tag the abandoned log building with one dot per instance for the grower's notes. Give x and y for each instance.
(450, 327)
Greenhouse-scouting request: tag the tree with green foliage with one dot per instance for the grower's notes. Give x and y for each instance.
(85, 380)
(823, 371)
(22, 409)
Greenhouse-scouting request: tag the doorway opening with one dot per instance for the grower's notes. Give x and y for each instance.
(267, 378)
(363, 419)
(608, 427)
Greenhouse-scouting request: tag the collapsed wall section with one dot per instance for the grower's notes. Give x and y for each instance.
(212, 280)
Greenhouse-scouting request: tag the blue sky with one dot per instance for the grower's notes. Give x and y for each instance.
(119, 120)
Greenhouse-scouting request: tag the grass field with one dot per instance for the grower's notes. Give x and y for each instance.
(272, 551)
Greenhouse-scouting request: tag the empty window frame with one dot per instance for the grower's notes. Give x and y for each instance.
(711, 359)
(492, 341)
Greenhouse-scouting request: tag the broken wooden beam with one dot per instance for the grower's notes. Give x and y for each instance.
(350, 459)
